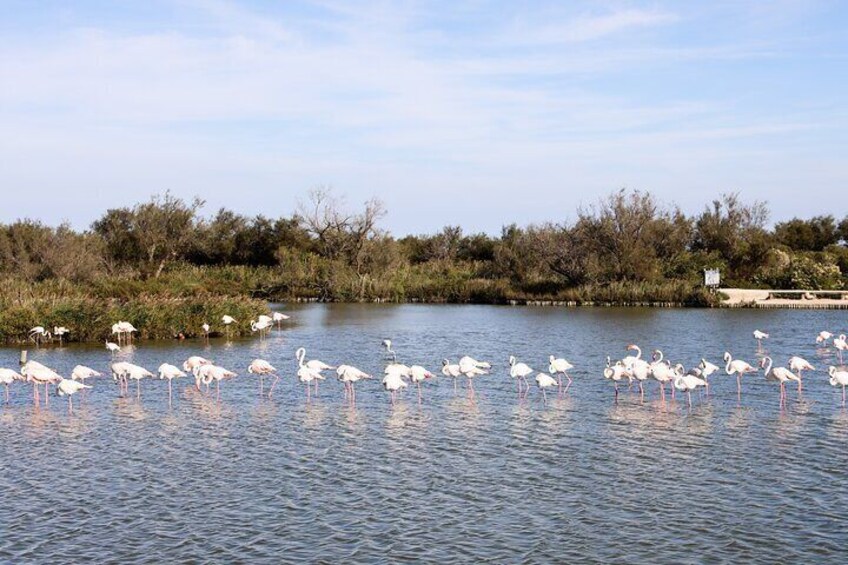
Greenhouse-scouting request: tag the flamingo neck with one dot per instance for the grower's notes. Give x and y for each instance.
(769, 363)
(727, 367)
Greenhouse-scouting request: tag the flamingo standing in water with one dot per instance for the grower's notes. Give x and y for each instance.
(839, 377)
(799, 364)
(38, 334)
(350, 375)
(313, 365)
(451, 370)
(7, 377)
(707, 369)
(616, 373)
(687, 382)
(662, 373)
(279, 318)
(170, 372)
(545, 381)
(38, 374)
(760, 336)
(519, 372)
(69, 387)
(205, 328)
(841, 344)
(418, 374)
(82, 373)
(306, 376)
(739, 368)
(393, 382)
(387, 343)
(471, 368)
(215, 373)
(560, 367)
(113, 347)
(780, 375)
(137, 373)
(60, 332)
(227, 321)
(823, 337)
(262, 367)
(193, 363)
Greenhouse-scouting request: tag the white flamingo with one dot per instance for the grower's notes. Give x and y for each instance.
(82, 373)
(209, 373)
(707, 369)
(687, 382)
(227, 320)
(839, 377)
(69, 387)
(841, 344)
(823, 337)
(387, 343)
(519, 372)
(471, 368)
(739, 368)
(544, 382)
(350, 375)
(38, 374)
(112, 347)
(279, 318)
(205, 327)
(451, 370)
(60, 332)
(419, 374)
(780, 375)
(799, 364)
(306, 376)
(313, 365)
(393, 382)
(760, 336)
(616, 373)
(7, 377)
(137, 373)
(38, 334)
(170, 372)
(262, 367)
(559, 367)
(662, 372)
(262, 326)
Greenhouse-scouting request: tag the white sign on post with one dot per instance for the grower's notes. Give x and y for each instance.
(712, 277)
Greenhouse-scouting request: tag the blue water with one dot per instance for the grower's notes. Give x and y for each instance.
(499, 479)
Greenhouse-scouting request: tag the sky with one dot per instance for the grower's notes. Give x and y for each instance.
(475, 113)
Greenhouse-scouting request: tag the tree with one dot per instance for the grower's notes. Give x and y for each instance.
(808, 235)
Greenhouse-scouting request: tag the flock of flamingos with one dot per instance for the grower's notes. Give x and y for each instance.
(632, 369)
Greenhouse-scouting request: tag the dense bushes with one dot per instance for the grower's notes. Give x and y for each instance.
(168, 269)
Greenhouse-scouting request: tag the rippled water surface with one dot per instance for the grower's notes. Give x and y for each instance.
(499, 479)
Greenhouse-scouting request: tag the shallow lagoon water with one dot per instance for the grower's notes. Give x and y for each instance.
(499, 479)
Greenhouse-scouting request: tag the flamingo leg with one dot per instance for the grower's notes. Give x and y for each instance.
(308, 392)
(46, 394)
(7, 394)
(616, 393)
(545, 396)
(559, 384)
(454, 385)
(569, 383)
(419, 392)
(70, 404)
(169, 393)
(218, 391)
(739, 386)
(689, 396)
(641, 392)
(271, 390)
(261, 385)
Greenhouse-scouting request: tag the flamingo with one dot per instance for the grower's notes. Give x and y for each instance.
(707, 369)
(306, 376)
(81, 373)
(451, 370)
(262, 367)
(471, 368)
(313, 365)
(350, 375)
(205, 327)
(841, 344)
(839, 377)
(560, 367)
(38, 374)
(780, 375)
(119, 375)
(69, 387)
(7, 377)
(228, 320)
(279, 318)
(393, 382)
(519, 372)
(193, 363)
(760, 336)
(112, 347)
(544, 382)
(262, 326)
(418, 374)
(823, 337)
(215, 373)
(616, 373)
(387, 343)
(687, 382)
(662, 373)
(39, 334)
(60, 332)
(137, 373)
(170, 372)
(799, 364)
(631, 359)
(739, 368)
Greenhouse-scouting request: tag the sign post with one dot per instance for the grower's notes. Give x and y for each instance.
(712, 278)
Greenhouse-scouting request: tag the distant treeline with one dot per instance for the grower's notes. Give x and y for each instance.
(627, 248)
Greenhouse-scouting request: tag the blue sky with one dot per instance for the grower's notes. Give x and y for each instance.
(474, 113)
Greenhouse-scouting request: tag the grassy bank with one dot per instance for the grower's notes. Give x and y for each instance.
(183, 299)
